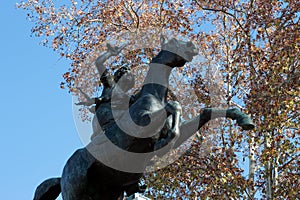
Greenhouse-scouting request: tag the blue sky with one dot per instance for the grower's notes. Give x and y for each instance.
(37, 127)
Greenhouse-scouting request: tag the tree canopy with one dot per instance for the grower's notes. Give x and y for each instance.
(249, 57)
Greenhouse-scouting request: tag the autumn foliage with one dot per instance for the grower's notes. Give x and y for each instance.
(249, 58)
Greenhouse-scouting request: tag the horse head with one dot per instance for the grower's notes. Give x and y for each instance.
(178, 52)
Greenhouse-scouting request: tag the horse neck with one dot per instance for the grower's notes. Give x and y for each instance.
(157, 81)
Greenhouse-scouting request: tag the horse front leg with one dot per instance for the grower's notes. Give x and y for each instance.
(174, 108)
(242, 119)
(173, 128)
(188, 128)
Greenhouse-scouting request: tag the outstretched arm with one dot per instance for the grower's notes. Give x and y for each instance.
(89, 101)
(111, 51)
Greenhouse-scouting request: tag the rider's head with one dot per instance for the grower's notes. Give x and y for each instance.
(124, 78)
(106, 79)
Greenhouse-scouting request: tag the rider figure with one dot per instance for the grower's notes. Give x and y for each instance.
(112, 85)
(116, 85)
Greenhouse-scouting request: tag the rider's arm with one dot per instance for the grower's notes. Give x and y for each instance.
(111, 51)
(100, 62)
(89, 102)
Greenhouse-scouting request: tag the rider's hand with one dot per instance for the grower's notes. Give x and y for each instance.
(114, 50)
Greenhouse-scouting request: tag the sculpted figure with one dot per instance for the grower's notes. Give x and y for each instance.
(135, 137)
(102, 109)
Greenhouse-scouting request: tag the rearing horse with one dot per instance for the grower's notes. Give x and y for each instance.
(114, 161)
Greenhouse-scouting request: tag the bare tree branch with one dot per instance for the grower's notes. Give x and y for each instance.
(137, 17)
(287, 163)
(223, 11)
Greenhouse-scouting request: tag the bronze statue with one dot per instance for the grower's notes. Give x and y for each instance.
(90, 172)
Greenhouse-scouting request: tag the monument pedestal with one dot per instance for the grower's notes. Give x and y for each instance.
(137, 196)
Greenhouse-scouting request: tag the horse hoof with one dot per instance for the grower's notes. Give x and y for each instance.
(245, 122)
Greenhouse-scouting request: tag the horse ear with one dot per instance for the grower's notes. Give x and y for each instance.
(162, 40)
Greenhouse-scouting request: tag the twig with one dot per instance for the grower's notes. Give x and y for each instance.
(121, 25)
(248, 195)
(281, 167)
(137, 17)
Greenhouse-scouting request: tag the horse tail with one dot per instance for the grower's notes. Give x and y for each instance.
(48, 190)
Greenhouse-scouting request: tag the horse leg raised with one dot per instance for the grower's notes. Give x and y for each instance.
(188, 128)
(173, 128)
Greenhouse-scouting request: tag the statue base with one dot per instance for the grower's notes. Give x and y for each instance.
(137, 196)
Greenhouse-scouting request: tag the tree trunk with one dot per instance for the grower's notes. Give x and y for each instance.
(251, 167)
